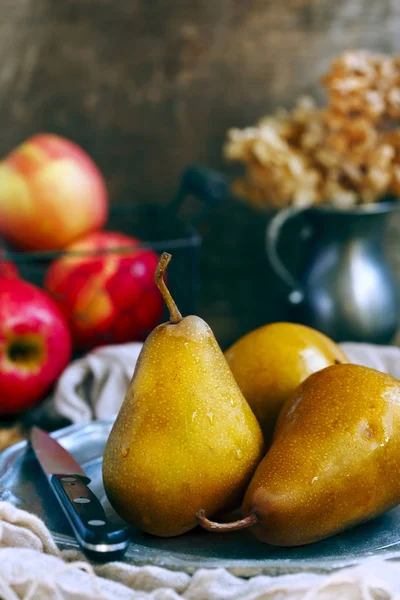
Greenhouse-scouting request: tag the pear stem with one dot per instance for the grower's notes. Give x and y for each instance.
(215, 527)
(174, 314)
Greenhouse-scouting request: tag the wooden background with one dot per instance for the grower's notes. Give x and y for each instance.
(146, 86)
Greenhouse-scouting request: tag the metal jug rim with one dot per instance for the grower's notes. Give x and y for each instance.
(372, 208)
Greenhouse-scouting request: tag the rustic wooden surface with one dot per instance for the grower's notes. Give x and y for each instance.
(147, 86)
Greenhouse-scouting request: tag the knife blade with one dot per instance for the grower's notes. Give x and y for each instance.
(99, 538)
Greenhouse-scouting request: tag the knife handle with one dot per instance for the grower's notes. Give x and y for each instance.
(100, 539)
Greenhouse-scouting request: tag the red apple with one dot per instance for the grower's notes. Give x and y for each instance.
(35, 344)
(106, 289)
(51, 193)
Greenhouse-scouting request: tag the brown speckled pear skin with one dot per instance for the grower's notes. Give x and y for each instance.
(185, 437)
(335, 458)
(270, 362)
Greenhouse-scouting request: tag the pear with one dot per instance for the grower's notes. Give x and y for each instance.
(185, 437)
(333, 463)
(271, 361)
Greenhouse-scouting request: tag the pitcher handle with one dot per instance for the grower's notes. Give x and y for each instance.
(273, 233)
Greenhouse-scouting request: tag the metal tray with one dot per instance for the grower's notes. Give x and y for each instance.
(23, 484)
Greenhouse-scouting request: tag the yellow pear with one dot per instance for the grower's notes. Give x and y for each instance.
(270, 362)
(185, 437)
(333, 463)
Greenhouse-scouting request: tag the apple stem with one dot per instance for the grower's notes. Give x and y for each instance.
(215, 527)
(174, 314)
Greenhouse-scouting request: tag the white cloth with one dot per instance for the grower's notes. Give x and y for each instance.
(94, 386)
(32, 568)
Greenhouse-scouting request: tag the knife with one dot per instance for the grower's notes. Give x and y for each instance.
(99, 538)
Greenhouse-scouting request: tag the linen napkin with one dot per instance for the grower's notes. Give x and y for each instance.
(94, 386)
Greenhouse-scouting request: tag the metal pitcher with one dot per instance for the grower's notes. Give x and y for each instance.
(347, 290)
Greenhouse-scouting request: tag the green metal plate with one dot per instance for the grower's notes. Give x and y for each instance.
(23, 484)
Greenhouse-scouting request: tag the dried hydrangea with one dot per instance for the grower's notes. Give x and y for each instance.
(345, 154)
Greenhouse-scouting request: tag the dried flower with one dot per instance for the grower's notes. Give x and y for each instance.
(346, 153)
